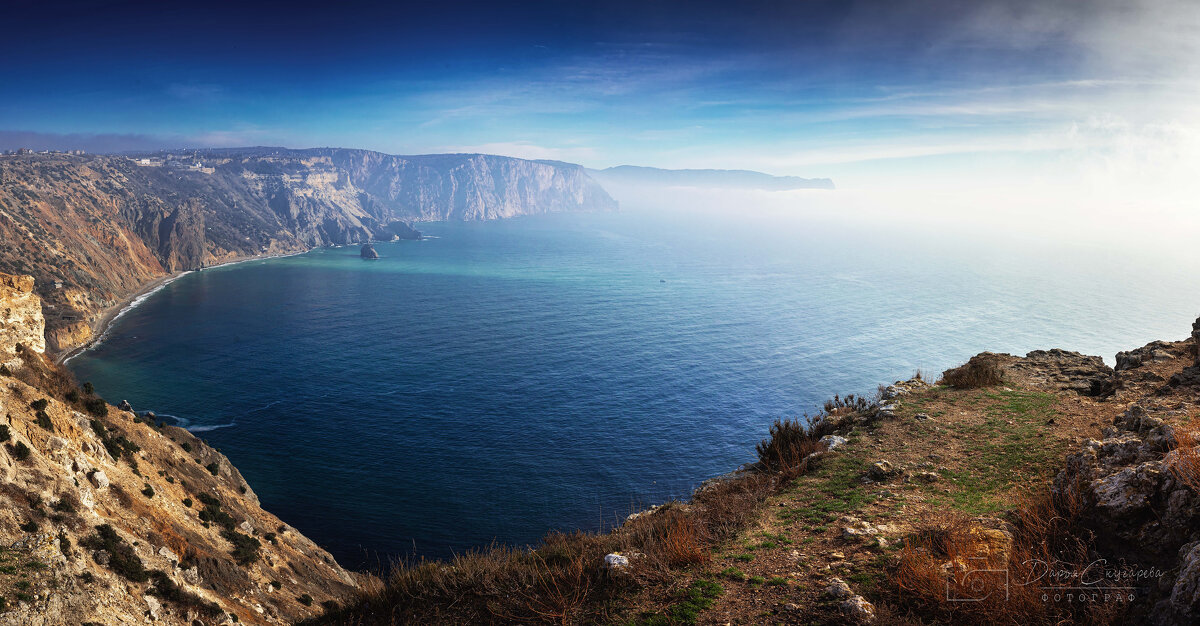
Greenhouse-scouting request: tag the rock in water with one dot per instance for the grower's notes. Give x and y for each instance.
(368, 252)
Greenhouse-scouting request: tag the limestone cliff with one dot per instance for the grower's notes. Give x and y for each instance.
(21, 322)
(106, 518)
(94, 229)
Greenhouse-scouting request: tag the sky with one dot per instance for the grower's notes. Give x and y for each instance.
(1084, 103)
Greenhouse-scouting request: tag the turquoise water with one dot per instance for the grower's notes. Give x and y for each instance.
(502, 379)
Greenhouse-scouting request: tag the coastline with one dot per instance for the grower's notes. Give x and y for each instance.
(109, 315)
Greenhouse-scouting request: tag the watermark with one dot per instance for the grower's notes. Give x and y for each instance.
(1095, 582)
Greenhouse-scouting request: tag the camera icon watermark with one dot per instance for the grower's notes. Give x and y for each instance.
(976, 582)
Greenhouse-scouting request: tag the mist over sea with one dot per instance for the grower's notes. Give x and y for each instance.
(501, 379)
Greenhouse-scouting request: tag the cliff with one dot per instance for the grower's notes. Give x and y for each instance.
(92, 230)
(21, 322)
(106, 518)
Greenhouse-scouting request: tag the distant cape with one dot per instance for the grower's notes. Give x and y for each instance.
(717, 179)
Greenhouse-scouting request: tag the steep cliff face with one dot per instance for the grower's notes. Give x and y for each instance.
(431, 187)
(21, 322)
(106, 518)
(94, 229)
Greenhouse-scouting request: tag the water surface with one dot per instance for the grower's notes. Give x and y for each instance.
(502, 379)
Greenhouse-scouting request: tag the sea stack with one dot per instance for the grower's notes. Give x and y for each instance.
(368, 252)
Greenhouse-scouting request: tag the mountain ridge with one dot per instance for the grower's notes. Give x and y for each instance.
(93, 230)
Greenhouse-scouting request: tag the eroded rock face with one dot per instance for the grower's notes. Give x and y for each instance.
(1153, 352)
(1069, 371)
(1196, 340)
(1141, 511)
(21, 321)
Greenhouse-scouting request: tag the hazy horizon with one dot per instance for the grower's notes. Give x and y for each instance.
(1075, 118)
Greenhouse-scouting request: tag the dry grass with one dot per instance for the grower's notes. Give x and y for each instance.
(955, 569)
(1187, 454)
(983, 370)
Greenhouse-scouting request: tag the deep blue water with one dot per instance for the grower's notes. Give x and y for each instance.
(502, 379)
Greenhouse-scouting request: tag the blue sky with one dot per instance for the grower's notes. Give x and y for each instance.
(870, 93)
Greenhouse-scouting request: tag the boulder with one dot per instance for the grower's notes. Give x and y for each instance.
(858, 609)
(98, 479)
(125, 406)
(926, 477)
(615, 561)
(837, 588)
(368, 252)
(881, 470)
(833, 441)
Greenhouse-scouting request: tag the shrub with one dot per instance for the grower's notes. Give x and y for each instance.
(148, 491)
(29, 527)
(245, 548)
(43, 420)
(122, 559)
(40, 404)
(329, 605)
(88, 388)
(305, 599)
(20, 451)
(277, 585)
(187, 447)
(4, 371)
(187, 502)
(72, 396)
(213, 468)
(4, 434)
(787, 449)
(982, 370)
(96, 406)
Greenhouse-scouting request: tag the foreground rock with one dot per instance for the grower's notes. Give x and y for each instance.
(1138, 491)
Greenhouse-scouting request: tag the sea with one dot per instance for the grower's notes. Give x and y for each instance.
(500, 380)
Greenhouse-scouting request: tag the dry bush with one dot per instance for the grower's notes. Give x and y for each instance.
(788, 447)
(561, 582)
(1187, 454)
(677, 540)
(952, 569)
(982, 370)
(838, 405)
(730, 505)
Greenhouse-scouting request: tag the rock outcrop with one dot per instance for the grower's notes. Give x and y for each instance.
(94, 229)
(106, 518)
(368, 252)
(1138, 489)
(21, 322)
